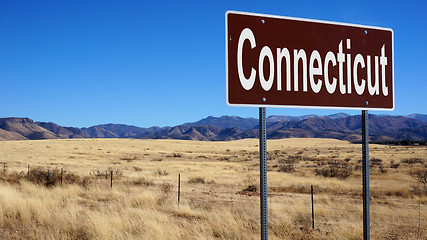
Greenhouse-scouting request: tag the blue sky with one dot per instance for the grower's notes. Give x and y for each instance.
(162, 63)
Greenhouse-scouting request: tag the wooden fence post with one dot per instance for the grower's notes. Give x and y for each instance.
(111, 183)
(179, 188)
(312, 207)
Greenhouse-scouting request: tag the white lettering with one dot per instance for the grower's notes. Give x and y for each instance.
(247, 83)
(315, 56)
(284, 52)
(341, 60)
(266, 84)
(372, 89)
(297, 56)
(348, 68)
(317, 71)
(359, 88)
(383, 63)
(330, 87)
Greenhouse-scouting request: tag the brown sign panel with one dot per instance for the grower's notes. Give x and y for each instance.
(289, 62)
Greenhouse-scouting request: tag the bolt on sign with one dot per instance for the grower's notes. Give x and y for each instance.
(274, 61)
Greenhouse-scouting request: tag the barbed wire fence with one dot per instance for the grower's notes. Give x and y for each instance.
(329, 214)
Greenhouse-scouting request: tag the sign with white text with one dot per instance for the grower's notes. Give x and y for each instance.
(274, 61)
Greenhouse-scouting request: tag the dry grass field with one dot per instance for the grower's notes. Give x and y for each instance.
(219, 189)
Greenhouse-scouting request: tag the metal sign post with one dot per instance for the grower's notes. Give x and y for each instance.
(263, 172)
(365, 174)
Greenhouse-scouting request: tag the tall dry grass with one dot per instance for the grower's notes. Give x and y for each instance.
(143, 201)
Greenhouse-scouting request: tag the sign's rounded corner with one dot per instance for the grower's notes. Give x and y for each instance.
(229, 12)
(229, 104)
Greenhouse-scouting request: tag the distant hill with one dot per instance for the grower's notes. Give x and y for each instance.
(421, 117)
(275, 118)
(338, 126)
(23, 128)
(63, 132)
(227, 122)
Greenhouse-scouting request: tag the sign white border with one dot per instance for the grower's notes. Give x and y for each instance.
(304, 20)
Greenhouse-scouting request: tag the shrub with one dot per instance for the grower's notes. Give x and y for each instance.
(70, 178)
(49, 177)
(419, 175)
(413, 160)
(129, 158)
(287, 168)
(100, 173)
(196, 180)
(294, 158)
(160, 173)
(334, 168)
(375, 161)
(165, 189)
(382, 170)
(419, 190)
(394, 165)
(137, 169)
(142, 181)
(251, 188)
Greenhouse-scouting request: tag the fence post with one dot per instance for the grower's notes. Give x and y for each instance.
(111, 183)
(179, 188)
(4, 167)
(419, 219)
(61, 176)
(312, 207)
(28, 173)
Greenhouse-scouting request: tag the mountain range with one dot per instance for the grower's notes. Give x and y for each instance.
(382, 128)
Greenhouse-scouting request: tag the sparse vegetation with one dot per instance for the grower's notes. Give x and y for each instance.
(251, 188)
(375, 161)
(413, 160)
(142, 182)
(130, 158)
(394, 165)
(197, 180)
(160, 173)
(142, 204)
(287, 168)
(165, 189)
(419, 175)
(334, 168)
(382, 169)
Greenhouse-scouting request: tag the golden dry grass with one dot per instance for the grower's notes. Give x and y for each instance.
(143, 201)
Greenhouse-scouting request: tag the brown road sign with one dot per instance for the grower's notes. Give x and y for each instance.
(292, 62)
